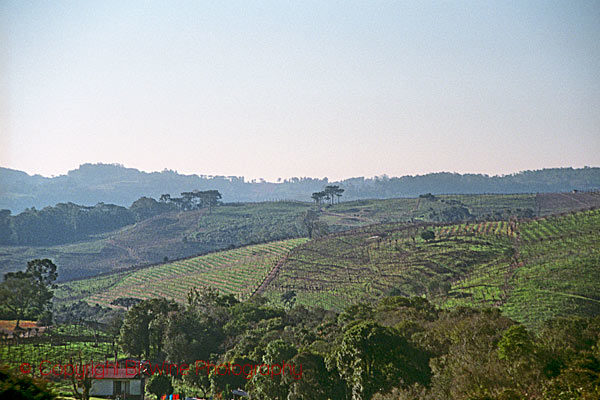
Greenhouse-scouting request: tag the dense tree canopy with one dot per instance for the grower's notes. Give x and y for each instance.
(68, 222)
(159, 384)
(14, 386)
(63, 223)
(193, 200)
(142, 333)
(28, 293)
(397, 348)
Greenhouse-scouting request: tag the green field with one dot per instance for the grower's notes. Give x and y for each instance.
(559, 273)
(239, 272)
(532, 270)
(61, 345)
(177, 235)
(172, 235)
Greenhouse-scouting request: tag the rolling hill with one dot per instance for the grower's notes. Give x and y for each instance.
(170, 236)
(240, 272)
(533, 269)
(116, 184)
(177, 235)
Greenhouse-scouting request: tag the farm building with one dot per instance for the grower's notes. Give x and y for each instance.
(118, 382)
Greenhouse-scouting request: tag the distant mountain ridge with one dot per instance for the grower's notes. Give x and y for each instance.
(116, 184)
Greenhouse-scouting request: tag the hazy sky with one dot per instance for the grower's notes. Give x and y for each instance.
(278, 89)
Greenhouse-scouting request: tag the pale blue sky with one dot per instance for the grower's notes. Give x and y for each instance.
(278, 89)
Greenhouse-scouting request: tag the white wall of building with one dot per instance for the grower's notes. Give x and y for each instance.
(102, 387)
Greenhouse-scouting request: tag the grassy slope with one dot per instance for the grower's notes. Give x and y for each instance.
(186, 234)
(371, 262)
(532, 270)
(60, 348)
(561, 268)
(173, 235)
(239, 271)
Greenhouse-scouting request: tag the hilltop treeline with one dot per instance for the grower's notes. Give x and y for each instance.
(398, 348)
(69, 222)
(93, 183)
(62, 223)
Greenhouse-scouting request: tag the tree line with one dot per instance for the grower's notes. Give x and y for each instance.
(91, 182)
(193, 200)
(396, 348)
(330, 193)
(28, 294)
(68, 222)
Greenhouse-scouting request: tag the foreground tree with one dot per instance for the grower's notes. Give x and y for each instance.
(314, 227)
(316, 382)
(126, 302)
(82, 383)
(159, 384)
(309, 220)
(20, 387)
(338, 194)
(273, 387)
(194, 200)
(144, 326)
(372, 358)
(44, 271)
(289, 299)
(210, 198)
(29, 294)
(146, 207)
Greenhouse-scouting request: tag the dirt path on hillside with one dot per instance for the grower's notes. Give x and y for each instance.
(575, 199)
(348, 216)
(269, 278)
(515, 265)
(130, 252)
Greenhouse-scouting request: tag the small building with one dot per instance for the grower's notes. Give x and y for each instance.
(119, 381)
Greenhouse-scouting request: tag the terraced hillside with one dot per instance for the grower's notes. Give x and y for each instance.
(533, 269)
(558, 268)
(173, 235)
(177, 235)
(371, 262)
(239, 272)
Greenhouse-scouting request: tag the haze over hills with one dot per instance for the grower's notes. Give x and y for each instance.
(391, 200)
(116, 184)
(86, 241)
(531, 269)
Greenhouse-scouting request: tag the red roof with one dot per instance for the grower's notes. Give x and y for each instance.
(110, 370)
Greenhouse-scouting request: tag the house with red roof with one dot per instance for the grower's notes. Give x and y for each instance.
(122, 379)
